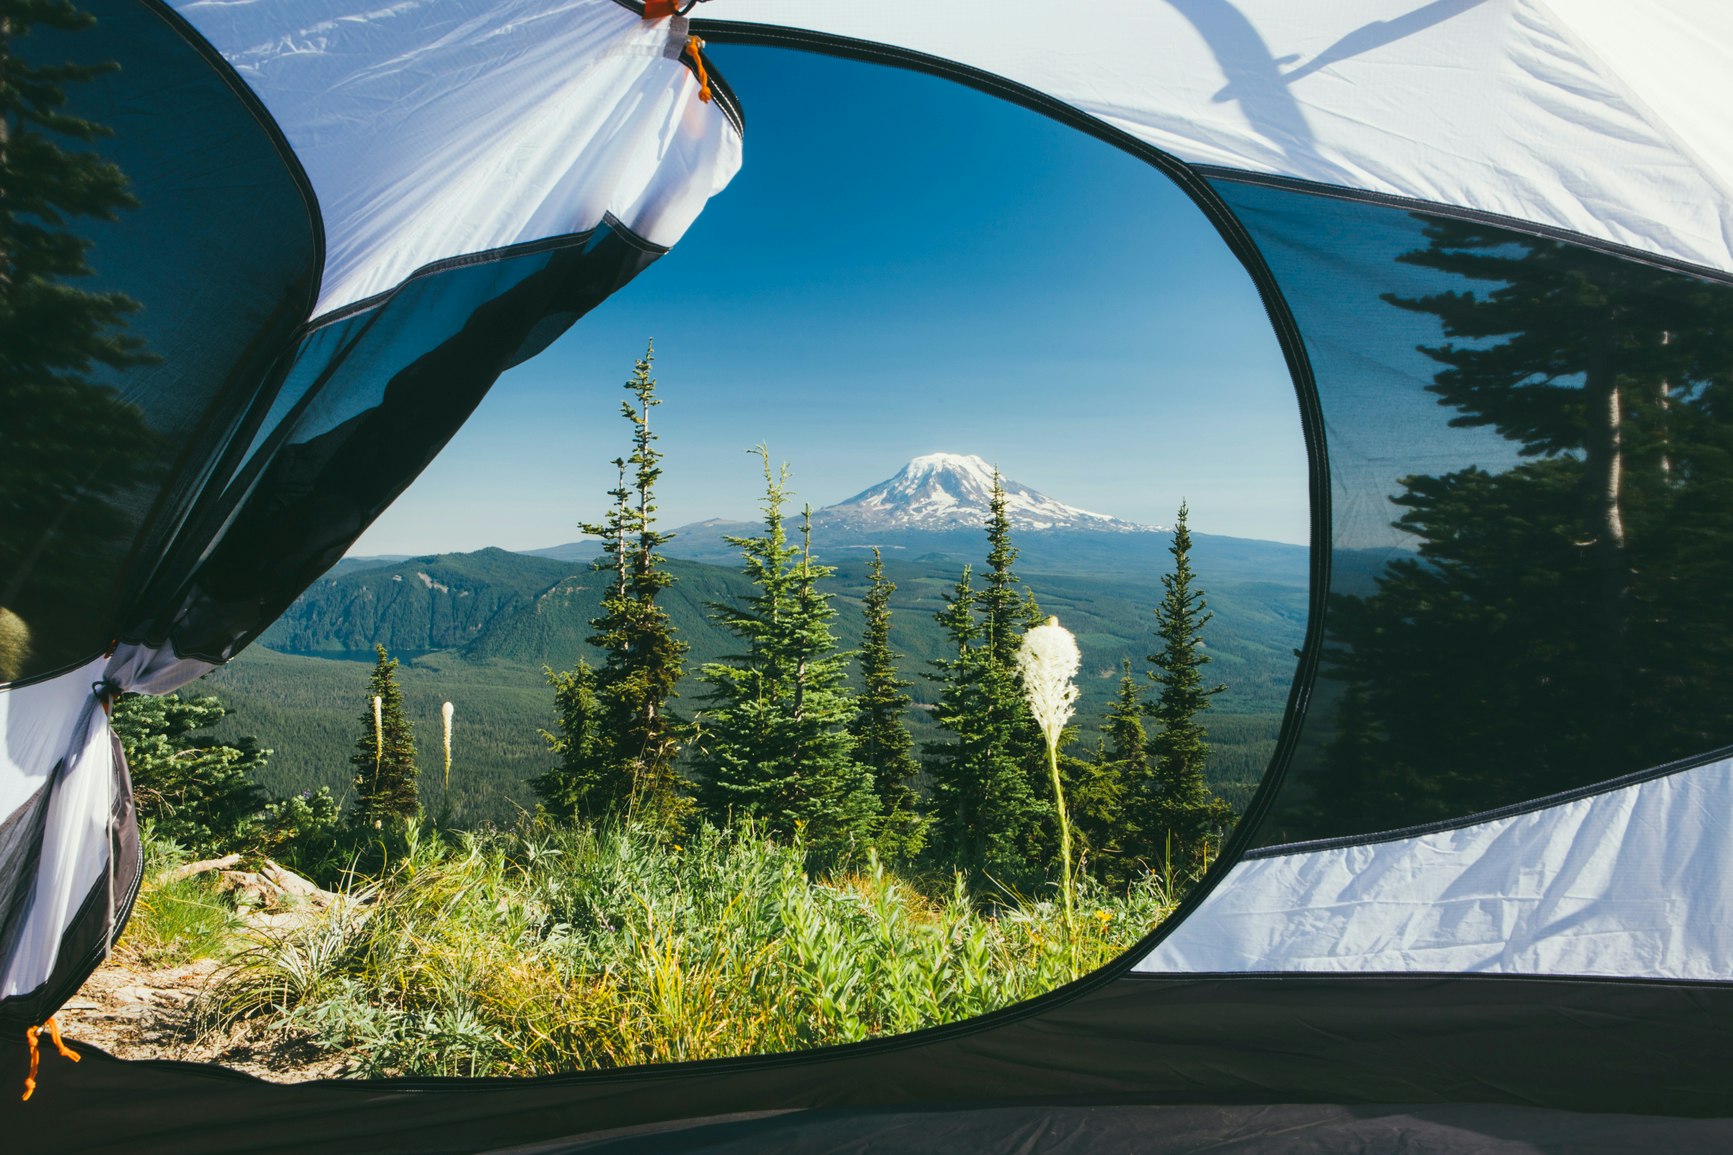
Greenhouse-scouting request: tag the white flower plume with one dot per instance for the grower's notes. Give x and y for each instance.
(1048, 659)
(445, 712)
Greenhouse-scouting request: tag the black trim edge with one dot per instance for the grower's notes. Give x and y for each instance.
(1457, 212)
(1352, 978)
(1245, 250)
(1282, 321)
(251, 101)
(1513, 810)
(721, 92)
(485, 256)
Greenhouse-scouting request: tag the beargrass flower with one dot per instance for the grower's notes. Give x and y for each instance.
(445, 712)
(378, 736)
(1048, 659)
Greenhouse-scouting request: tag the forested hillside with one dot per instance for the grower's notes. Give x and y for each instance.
(476, 629)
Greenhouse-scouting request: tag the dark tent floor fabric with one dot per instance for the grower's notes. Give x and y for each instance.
(1288, 1129)
(1561, 1046)
(1069, 1129)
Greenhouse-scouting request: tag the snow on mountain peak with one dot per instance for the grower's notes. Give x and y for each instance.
(939, 491)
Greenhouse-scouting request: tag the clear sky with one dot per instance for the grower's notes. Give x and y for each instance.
(902, 266)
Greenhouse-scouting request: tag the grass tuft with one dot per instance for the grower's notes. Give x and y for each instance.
(558, 949)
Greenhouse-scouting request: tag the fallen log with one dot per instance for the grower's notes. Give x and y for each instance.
(176, 873)
(295, 884)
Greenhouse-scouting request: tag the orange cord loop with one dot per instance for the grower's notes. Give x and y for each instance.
(696, 47)
(30, 1040)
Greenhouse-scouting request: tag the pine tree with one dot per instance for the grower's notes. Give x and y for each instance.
(68, 445)
(384, 758)
(881, 740)
(1096, 798)
(1176, 807)
(619, 740)
(992, 807)
(199, 791)
(774, 743)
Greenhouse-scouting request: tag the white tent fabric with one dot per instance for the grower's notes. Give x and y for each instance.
(39, 723)
(1604, 119)
(1633, 882)
(55, 734)
(433, 129)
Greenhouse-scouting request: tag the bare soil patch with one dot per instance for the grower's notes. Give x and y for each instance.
(134, 1010)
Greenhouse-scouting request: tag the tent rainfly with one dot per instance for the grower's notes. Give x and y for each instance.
(1486, 886)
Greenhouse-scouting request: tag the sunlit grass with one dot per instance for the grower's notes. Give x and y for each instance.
(178, 921)
(568, 949)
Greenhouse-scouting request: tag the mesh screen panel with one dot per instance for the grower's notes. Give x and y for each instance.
(1530, 447)
(220, 254)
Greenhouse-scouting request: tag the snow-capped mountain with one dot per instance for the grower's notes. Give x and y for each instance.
(944, 491)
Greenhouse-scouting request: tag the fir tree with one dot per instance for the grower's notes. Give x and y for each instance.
(1176, 807)
(577, 778)
(1096, 795)
(198, 790)
(1127, 741)
(991, 801)
(619, 741)
(881, 741)
(955, 765)
(775, 744)
(384, 758)
(1007, 611)
(68, 445)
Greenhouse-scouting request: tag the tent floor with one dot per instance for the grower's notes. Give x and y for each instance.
(1289, 1129)
(108, 1105)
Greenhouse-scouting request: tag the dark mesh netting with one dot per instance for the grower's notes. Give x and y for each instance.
(100, 465)
(1530, 449)
(365, 404)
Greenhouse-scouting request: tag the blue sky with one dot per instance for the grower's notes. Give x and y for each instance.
(903, 266)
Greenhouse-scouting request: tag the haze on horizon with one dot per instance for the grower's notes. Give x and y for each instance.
(917, 269)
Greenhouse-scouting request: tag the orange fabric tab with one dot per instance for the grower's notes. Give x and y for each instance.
(656, 9)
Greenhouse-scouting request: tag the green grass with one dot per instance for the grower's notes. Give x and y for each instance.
(568, 949)
(180, 921)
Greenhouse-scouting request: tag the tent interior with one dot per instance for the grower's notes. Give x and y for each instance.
(1474, 896)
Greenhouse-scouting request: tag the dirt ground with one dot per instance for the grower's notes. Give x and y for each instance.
(136, 1011)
